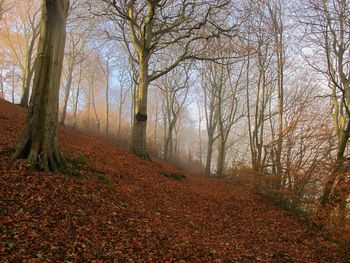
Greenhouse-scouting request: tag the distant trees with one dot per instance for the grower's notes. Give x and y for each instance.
(39, 142)
(222, 85)
(175, 87)
(74, 57)
(21, 35)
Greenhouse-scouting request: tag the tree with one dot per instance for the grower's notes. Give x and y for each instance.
(261, 85)
(175, 88)
(327, 23)
(76, 46)
(22, 33)
(227, 107)
(39, 141)
(150, 27)
(211, 82)
(277, 24)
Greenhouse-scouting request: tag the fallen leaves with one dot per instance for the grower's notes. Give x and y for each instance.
(125, 210)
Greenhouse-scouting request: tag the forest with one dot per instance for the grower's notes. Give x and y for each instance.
(253, 93)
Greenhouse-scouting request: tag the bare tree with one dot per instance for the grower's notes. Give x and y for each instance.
(123, 94)
(27, 24)
(77, 42)
(175, 88)
(39, 142)
(275, 8)
(151, 27)
(259, 84)
(327, 24)
(228, 100)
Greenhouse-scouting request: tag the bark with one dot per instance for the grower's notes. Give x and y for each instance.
(200, 133)
(75, 109)
(106, 72)
(122, 98)
(28, 70)
(168, 144)
(94, 105)
(209, 157)
(39, 141)
(220, 168)
(1, 86)
(138, 144)
(67, 90)
(13, 85)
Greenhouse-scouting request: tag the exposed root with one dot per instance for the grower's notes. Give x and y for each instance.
(144, 156)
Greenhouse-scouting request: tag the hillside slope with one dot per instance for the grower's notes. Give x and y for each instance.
(123, 210)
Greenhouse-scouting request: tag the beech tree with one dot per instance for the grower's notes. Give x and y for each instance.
(150, 27)
(39, 141)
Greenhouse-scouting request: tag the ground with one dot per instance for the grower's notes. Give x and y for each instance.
(123, 209)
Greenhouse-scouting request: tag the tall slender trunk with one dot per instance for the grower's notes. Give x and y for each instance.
(168, 144)
(13, 85)
(209, 156)
(75, 109)
(26, 84)
(220, 168)
(94, 108)
(28, 70)
(1, 85)
(200, 134)
(68, 88)
(120, 110)
(280, 124)
(251, 140)
(120, 119)
(107, 98)
(155, 128)
(138, 143)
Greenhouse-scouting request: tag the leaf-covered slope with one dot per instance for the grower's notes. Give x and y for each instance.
(122, 208)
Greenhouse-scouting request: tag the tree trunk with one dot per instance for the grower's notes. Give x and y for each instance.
(13, 85)
(221, 157)
(28, 71)
(1, 86)
(39, 142)
(107, 98)
(94, 107)
(120, 111)
(75, 110)
(327, 193)
(26, 86)
(209, 157)
(67, 90)
(138, 143)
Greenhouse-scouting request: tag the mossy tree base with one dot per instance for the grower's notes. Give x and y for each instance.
(142, 155)
(41, 155)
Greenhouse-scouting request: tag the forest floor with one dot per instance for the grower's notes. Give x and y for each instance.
(122, 209)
